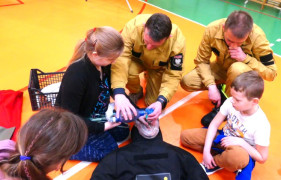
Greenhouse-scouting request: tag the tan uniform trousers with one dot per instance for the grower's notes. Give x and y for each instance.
(232, 158)
(153, 80)
(192, 80)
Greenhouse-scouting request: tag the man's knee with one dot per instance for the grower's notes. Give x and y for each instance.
(192, 81)
(184, 85)
(237, 68)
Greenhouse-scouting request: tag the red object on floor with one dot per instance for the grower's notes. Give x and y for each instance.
(17, 2)
(10, 109)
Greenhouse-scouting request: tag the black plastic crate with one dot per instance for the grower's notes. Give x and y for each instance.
(38, 84)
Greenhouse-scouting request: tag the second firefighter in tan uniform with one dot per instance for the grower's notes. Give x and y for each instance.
(162, 64)
(224, 69)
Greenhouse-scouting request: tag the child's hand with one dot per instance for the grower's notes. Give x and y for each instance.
(110, 125)
(208, 161)
(232, 141)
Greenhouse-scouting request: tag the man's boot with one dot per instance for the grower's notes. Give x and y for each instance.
(136, 96)
(206, 120)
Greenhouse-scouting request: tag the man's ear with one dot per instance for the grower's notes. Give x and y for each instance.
(223, 27)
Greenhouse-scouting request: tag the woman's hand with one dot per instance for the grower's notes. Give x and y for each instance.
(123, 105)
(110, 125)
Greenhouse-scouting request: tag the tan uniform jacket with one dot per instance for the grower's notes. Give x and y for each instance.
(161, 57)
(259, 54)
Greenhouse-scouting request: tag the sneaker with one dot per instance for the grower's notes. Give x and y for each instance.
(207, 119)
(210, 171)
(136, 96)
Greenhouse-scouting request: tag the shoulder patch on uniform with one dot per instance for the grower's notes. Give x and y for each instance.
(158, 176)
(176, 62)
(215, 51)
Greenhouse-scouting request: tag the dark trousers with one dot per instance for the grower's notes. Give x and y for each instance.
(99, 145)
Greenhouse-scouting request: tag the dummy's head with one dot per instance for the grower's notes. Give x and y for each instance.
(150, 131)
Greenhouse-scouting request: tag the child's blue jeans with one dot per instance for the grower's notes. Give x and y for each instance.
(99, 145)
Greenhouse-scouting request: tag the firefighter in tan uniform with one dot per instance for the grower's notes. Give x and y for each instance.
(154, 45)
(239, 46)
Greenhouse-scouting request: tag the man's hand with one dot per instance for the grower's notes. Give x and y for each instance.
(237, 54)
(157, 106)
(143, 120)
(123, 104)
(214, 95)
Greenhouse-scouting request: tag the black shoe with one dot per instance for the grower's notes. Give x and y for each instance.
(206, 120)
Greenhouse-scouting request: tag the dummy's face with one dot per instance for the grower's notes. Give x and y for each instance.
(240, 101)
(233, 41)
(150, 44)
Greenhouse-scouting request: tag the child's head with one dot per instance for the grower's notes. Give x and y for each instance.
(247, 87)
(103, 42)
(45, 143)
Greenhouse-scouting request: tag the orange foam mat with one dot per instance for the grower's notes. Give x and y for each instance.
(46, 40)
(185, 116)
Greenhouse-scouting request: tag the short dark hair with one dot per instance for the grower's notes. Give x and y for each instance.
(159, 26)
(240, 23)
(250, 83)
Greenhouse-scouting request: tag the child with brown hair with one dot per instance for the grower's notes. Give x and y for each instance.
(43, 144)
(244, 138)
(85, 90)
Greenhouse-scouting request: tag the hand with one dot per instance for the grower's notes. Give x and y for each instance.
(208, 161)
(214, 95)
(110, 125)
(123, 104)
(157, 106)
(237, 54)
(232, 141)
(143, 121)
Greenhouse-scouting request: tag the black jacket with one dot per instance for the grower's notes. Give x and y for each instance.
(148, 157)
(79, 91)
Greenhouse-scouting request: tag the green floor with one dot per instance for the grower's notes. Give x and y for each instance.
(206, 11)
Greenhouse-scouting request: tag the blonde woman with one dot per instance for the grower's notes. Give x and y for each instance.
(85, 90)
